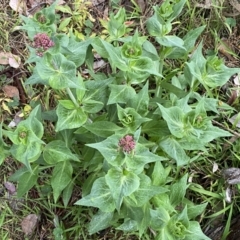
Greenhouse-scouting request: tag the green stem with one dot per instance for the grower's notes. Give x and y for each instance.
(70, 94)
(158, 80)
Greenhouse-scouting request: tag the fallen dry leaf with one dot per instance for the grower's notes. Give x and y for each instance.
(16, 120)
(10, 187)
(235, 120)
(18, 5)
(11, 91)
(215, 167)
(9, 58)
(29, 223)
(4, 58)
(14, 61)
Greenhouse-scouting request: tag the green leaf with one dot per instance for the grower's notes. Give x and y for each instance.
(143, 64)
(194, 211)
(140, 158)
(70, 118)
(189, 43)
(219, 77)
(154, 27)
(178, 191)
(64, 23)
(57, 69)
(100, 197)
(141, 101)
(61, 177)
(100, 48)
(26, 153)
(26, 181)
(102, 128)
(120, 94)
(92, 106)
(195, 232)
(56, 151)
(109, 149)
(139, 214)
(174, 150)
(174, 117)
(128, 225)
(121, 184)
(171, 41)
(115, 56)
(101, 220)
(160, 174)
(150, 51)
(159, 218)
(130, 118)
(177, 8)
(67, 193)
(76, 51)
(145, 192)
(68, 104)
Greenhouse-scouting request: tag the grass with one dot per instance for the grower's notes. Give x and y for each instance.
(72, 221)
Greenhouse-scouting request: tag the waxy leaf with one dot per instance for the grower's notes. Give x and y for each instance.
(70, 118)
(135, 162)
(121, 94)
(171, 41)
(57, 69)
(56, 151)
(110, 150)
(76, 51)
(178, 190)
(100, 197)
(26, 181)
(101, 220)
(61, 177)
(174, 117)
(115, 56)
(102, 128)
(121, 184)
(144, 192)
(174, 150)
(141, 100)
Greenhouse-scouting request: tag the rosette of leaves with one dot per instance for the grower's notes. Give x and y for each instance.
(189, 129)
(210, 72)
(26, 139)
(42, 22)
(176, 227)
(130, 118)
(133, 48)
(166, 219)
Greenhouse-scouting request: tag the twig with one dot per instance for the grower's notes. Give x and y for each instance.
(231, 131)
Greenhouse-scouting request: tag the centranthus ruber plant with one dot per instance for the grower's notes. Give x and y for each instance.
(126, 135)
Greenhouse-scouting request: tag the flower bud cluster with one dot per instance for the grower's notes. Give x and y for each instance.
(42, 43)
(127, 143)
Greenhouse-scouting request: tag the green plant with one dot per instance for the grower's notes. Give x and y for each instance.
(76, 18)
(131, 134)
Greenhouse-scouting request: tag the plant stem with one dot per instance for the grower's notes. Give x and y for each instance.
(158, 80)
(70, 94)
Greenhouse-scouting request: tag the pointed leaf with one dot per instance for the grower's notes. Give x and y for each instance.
(61, 177)
(70, 118)
(174, 150)
(121, 184)
(174, 117)
(100, 197)
(26, 181)
(100, 221)
(57, 151)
